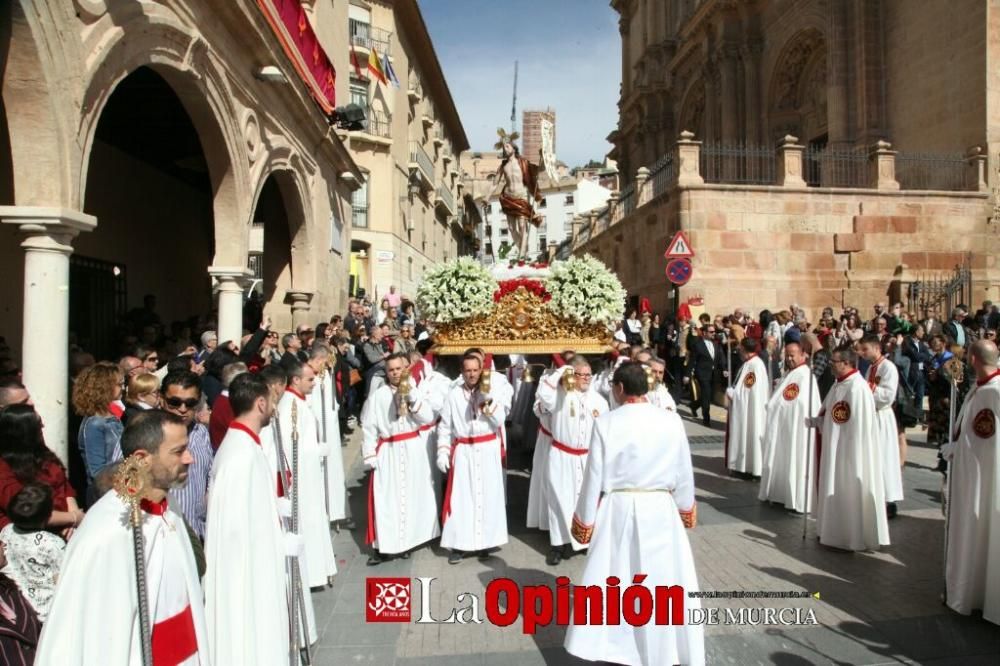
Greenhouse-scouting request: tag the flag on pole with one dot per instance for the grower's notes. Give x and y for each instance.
(390, 73)
(356, 62)
(375, 66)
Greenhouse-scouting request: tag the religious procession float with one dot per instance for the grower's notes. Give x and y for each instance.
(522, 307)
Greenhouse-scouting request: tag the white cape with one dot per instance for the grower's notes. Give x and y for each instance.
(324, 398)
(886, 384)
(747, 415)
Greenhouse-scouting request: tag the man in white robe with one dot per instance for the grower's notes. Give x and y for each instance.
(323, 401)
(972, 562)
(94, 615)
(538, 504)
(850, 497)
(747, 413)
(433, 388)
(573, 412)
(883, 380)
(471, 451)
(640, 463)
(787, 440)
(314, 527)
(246, 603)
(660, 395)
(402, 507)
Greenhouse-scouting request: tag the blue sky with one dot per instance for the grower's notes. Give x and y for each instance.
(570, 59)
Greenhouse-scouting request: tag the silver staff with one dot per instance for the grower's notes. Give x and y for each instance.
(297, 602)
(956, 375)
(810, 444)
(131, 480)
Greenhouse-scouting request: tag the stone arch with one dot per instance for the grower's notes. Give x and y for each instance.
(692, 114)
(796, 101)
(179, 55)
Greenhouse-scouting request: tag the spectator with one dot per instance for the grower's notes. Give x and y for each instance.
(209, 343)
(917, 350)
(19, 624)
(394, 299)
(141, 394)
(633, 328)
(180, 395)
(306, 335)
(25, 459)
(222, 411)
(211, 384)
(405, 342)
(33, 554)
(292, 344)
(100, 431)
(12, 392)
(954, 330)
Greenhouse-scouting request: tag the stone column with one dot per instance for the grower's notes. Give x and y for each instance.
(688, 160)
(729, 122)
(883, 164)
(232, 280)
(642, 193)
(790, 162)
(49, 233)
(300, 301)
(976, 158)
(751, 66)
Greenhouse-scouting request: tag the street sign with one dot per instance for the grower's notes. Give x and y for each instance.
(679, 247)
(679, 271)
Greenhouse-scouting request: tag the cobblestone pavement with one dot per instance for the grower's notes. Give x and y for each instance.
(873, 608)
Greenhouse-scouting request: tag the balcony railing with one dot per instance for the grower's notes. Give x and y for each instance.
(445, 197)
(740, 163)
(378, 124)
(929, 171)
(359, 216)
(366, 36)
(420, 157)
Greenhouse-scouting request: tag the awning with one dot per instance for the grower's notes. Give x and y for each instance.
(290, 24)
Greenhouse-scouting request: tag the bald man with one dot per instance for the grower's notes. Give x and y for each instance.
(972, 564)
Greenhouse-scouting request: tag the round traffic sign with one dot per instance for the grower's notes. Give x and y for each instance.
(679, 271)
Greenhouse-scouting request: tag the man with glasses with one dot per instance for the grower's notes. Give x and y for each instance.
(850, 498)
(660, 396)
(574, 408)
(180, 394)
(705, 357)
(209, 343)
(306, 335)
(954, 330)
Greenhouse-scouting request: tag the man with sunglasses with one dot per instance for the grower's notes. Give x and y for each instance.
(180, 394)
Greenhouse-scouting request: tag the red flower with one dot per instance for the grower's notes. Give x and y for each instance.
(532, 286)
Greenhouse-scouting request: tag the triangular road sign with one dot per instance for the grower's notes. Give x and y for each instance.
(679, 247)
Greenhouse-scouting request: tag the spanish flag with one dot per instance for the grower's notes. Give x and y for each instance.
(375, 66)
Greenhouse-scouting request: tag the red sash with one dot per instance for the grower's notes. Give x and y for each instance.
(568, 449)
(479, 439)
(174, 639)
(371, 534)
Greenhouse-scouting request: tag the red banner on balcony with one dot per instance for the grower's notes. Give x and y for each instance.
(290, 24)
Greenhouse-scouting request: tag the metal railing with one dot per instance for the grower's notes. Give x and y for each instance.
(738, 163)
(941, 292)
(378, 124)
(930, 171)
(626, 203)
(366, 36)
(359, 216)
(420, 157)
(836, 167)
(663, 173)
(445, 196)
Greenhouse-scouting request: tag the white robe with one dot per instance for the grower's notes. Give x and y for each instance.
(573, 415)
(850, 500)
(434, 388)
(538, 506)
(972, 572)
(747, 416)
(314, 526)
(245, 585)
(402, 503)
(638, 447)
(786, 447)
(94, 615)
(325, 394)
(883, 378)
(474, 515)
(660, 397)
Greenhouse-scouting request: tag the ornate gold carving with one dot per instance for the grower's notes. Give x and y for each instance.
(521, 323)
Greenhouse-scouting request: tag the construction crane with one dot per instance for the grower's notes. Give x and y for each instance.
(513, 106)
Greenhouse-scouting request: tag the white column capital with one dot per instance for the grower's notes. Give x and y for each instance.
(48, 229)
(231, 278)
(299, 298)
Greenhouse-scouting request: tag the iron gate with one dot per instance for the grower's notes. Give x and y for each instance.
(98, 300)
(941, 291)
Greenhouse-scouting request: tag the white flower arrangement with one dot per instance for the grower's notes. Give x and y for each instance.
(457, 289)
(583, 289)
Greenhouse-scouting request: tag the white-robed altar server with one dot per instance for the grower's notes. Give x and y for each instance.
(94, 615)
(641, 463)
(747, 412)
(883, 380)
(660, 395)
(471, 452)
(972, 572)
(538, 503)
(783, 476)
(574, 410)
(402, 506)
(245, 587)
(323, 401)
(314, 528)
(850, 498)
(433, 388)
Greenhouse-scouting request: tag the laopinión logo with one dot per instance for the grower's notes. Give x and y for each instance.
(389, 600)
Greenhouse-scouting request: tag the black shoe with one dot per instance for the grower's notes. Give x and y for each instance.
(891, 510)
(375, 559)
(942, 466)
(555, 557)
(455, 557)
(483, 555)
